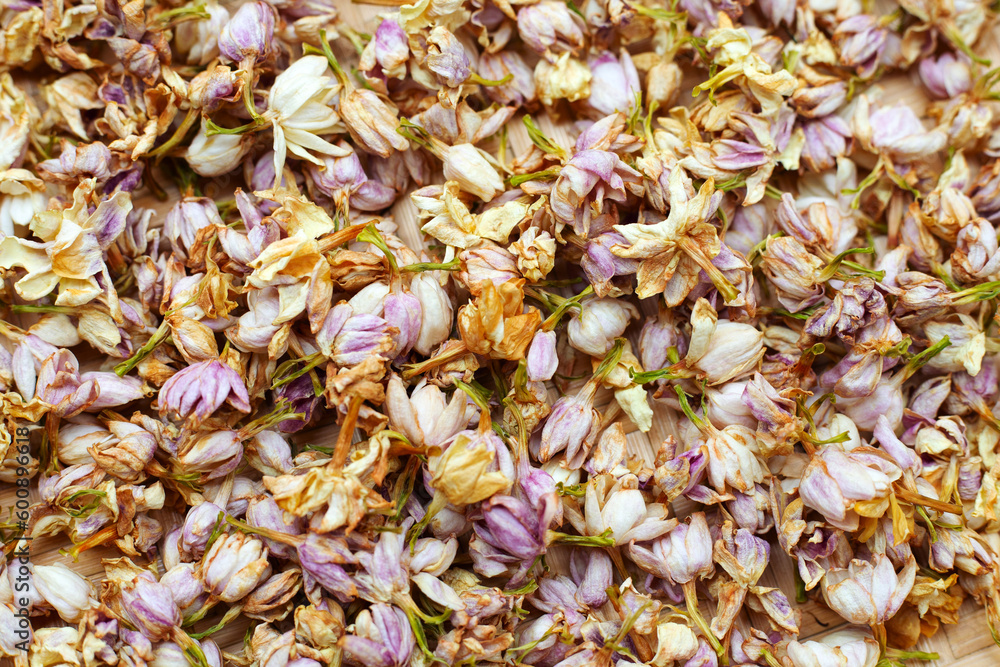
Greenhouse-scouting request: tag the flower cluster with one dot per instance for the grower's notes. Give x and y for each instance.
(470, 334)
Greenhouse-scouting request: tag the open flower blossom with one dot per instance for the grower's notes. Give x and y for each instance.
(21, 197)
(673, 252)
(425, 417)
(616, 506)
(462, 472)
(734, 55)
(840, 484)
(69, 254)
(865, 43)
(298, 111)
(489, 333)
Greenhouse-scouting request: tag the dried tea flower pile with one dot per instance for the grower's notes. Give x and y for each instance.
(691, 290)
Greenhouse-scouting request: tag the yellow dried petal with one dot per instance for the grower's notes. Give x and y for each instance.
(461, 474)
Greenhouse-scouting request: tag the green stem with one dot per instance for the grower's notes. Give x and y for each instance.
(769, 659)
(647, 122)
(438, 503)
(172, 17)
(550, 301)
(454, 352)
(275, 535)
(931, 531)
(865, 271)
(956, 39)
(540, 140)
(633, 118)
(213, 129)
(248, 102)
(552, 321)
(800, 587)
(688, 412)
(726, 289)
(914, 364)
(521, 392)
(521, 441)
(658, 13)
(220, 520)
(482, 402)
(840, 437)
(530, 587)
(21, 308)
(992, 613)
(158, 337)
(192, 649)
(897, 654)
(177, 136)
(758, 249)
(981, 292)
(420, 267)
(737, 181)
(544, 175)
(938, 269)
(475, 78)
(228, 618)
(370, 235)
(866, 183)
(834, 265)
(282, 411)
(526, 648)
(286, 374)
(356, 39)
(691, 600)
(605, 539)
(645, 377)
(334, 65)
(418, 135)
(403, 488)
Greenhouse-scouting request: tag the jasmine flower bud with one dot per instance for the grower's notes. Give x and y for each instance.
(247, 37)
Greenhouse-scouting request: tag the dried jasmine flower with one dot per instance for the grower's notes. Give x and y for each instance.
(471, 334)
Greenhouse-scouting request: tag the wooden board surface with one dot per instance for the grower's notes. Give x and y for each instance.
(967, 644)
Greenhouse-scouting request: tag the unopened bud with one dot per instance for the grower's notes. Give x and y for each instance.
(234, 566)
(248, 35)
